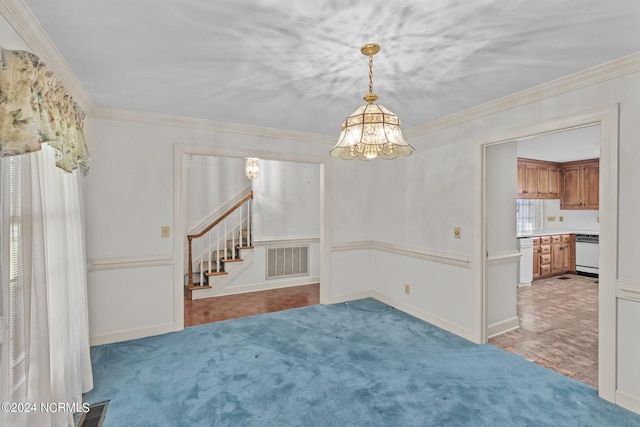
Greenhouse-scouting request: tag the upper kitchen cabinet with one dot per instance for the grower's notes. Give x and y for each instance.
(538, 179)
(580, 185)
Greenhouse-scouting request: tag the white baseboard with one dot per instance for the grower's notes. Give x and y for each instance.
(351, 297)
(429, 318)
(131, 334)
(265, 286)
(627, 401)
(503, 326)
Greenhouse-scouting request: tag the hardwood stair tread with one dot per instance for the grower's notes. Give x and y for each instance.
(215, 273)
(196, 287)
(232, 260)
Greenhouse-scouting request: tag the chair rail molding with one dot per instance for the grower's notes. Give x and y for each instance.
(102, 264)
(420, 253)
(628, 289)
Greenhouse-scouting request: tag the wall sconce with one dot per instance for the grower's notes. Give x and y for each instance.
(252, 167)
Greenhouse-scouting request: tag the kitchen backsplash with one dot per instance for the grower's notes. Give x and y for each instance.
(572, 219)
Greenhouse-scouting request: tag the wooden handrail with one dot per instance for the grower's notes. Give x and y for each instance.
(222, 217)
(190, 237)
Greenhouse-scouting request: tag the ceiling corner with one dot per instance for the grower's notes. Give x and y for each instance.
(25, 24)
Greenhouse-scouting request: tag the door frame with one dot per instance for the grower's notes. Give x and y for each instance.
(608, 119)
(181, 152)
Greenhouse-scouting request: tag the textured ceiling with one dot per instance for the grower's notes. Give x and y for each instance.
(296, 64)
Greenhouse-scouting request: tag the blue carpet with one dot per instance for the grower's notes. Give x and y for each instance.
(356, 364)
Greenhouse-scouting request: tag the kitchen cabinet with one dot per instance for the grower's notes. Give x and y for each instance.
(581, 185)
(545, 256)
(553, 254)
(538, 179)
(560, 254)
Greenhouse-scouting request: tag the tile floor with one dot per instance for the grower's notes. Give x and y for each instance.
(558, 327)
(197, 312)
(558, 320)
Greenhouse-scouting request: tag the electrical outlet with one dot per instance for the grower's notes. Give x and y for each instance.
(457, 233)
(561, 218)
(551, 219)
(165, 231)
(598, 219)
(407, 289)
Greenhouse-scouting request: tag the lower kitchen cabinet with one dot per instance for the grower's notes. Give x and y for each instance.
(553, 255)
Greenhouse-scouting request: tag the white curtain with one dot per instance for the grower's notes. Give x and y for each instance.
(57, 365)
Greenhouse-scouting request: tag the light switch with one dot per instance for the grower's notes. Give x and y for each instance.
(165, 231)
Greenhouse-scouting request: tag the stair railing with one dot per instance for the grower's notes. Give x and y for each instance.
(222, 220)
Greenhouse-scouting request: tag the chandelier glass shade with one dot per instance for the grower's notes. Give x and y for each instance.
(372, 131)
(252, 167)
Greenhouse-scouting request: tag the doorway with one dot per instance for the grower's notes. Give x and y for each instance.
(182, 152)
(276, 264)
(607, 118)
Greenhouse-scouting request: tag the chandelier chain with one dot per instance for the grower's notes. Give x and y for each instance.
(370, 73)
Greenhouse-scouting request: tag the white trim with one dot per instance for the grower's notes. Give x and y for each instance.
(628, 289)
(627, 401)
(352, 246)
(285, 240)
(131, 334)
(25, 24)
(422, 315)
(417, 313)
(181, 150)
(600, 73)
(503, 326)
(508, 257)
(351, 297)
(158, 119)
(266, 286)
(129, 262)
(424, 254)
(608, 119)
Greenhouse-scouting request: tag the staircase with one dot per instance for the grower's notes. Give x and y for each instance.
(225, 249)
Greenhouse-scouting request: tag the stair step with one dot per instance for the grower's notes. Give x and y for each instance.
(232, 260)
(220, 254)
(215, 273)
(196, 287)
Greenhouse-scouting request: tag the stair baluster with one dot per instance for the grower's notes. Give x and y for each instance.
(209, 230)
(218, 252)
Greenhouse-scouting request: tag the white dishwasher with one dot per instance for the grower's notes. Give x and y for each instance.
(525, 267)
(587, 254)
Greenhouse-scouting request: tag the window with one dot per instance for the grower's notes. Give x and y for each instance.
(529, 214)
(12, 345)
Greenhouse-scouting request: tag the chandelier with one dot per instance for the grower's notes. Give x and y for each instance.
(372, 131)
(252, 167)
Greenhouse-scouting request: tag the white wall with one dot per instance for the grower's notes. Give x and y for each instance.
(502, 176)
(582, 220)
(443, 190)
(213, 181)
(129, 196)
(286, 200)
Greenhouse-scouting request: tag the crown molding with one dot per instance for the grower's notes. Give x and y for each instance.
(160, 119)
(600, 73)
(25, 24)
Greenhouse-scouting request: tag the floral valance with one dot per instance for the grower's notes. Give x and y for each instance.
(35, 108)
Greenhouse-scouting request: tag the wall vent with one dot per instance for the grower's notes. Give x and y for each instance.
(287, 261)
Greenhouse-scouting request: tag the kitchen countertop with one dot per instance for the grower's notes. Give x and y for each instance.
(554, 232)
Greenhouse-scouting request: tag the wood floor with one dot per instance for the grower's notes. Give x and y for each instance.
(208, 310)
(558, 327)
(558, 320)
